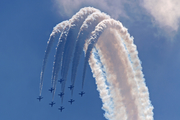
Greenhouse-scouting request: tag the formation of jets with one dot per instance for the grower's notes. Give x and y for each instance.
(61, 94)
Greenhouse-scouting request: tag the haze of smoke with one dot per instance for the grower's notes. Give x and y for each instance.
(56, 30)
(165, 13)
(87, 27)
(113, 7)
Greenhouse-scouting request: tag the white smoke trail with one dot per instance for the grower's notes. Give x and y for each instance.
(76, 22)
(87, 27)
(136, 64)
(58, 56)
(56, 30)
(119, 76)
(135, 94)
(101, 85)
(90, 43)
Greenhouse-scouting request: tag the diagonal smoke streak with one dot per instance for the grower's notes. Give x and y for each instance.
(87, 27)
(76, 22)
(56, 30)
(58, 57)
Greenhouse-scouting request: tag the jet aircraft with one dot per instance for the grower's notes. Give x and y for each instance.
(61, 80)
(51, 90)
(81, 93)
(71, 101)
(61, 108)
(52, 103)
(61, 94)
(39, 98)
(71, 87)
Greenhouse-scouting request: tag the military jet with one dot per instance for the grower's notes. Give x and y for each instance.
(71, 101)
(51, 90)
(52, 103)
(39, 98)
(81, 93)
(71, 87)
(61, 80)
(61, 94)
(61, 108)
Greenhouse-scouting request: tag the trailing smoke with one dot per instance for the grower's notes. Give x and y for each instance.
(134, 78)
(114, 61)
(87, 27)
(58, 57)
(65, 46)
(56, 30)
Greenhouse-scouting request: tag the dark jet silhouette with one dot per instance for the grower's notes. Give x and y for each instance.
(61, 80)
(51, 104)
(61, 108)
(71, 87)
(39, 98)
(81, 93)
(61, 94)
(51, 90)
(71, 101)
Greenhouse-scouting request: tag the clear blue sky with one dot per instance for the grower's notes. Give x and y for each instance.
(25, 27)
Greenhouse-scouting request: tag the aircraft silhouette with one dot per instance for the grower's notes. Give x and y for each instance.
(61, 94)
(39, 98)
(81, 93)
(71, 87)
(61, 108)
(71, 101)
(52, 103)
(61, 80)
(51, 90)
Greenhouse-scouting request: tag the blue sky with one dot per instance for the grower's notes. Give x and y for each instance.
(25, 29)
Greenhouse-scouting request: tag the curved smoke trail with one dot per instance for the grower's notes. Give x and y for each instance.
(76, 22)
(64, 48)
(117, 68)
(90, 43)
(99, 73)
(135, 81)
(58, 57)
(56, 30)
(137, 68)
(87, 27)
